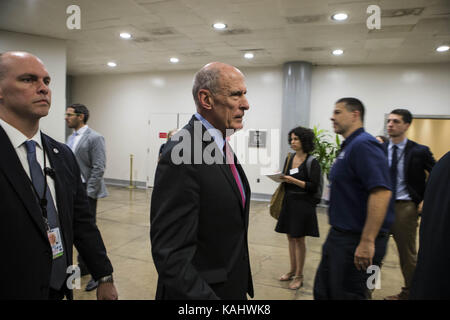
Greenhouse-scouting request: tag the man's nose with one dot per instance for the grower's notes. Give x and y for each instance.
(43, 88)
(244, 104)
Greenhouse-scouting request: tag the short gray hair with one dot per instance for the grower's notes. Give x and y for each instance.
(206, 78)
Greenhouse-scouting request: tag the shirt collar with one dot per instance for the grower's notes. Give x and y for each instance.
(82, 130)
(17, 138)
(399, 145)
(356, 133)
(215, 133)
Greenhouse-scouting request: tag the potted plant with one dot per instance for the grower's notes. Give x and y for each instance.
(325, 151)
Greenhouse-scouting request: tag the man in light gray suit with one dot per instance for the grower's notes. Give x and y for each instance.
(89, 149)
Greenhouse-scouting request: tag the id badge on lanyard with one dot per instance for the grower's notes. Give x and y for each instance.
(54, 237)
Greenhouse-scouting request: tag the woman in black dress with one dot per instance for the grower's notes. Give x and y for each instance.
(298, 213)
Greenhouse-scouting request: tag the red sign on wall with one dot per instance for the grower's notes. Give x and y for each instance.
(163, 135)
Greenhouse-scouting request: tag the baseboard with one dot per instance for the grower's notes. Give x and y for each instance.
(125, 183)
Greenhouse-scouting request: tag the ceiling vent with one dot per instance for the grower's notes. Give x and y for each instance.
(253, 50)
(141, 39)
(304, 19)
(312, 49)
(163, 31)
(395, 13)
(196, 54)
(233, 32)
(394, 29)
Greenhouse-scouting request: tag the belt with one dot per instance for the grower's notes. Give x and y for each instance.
(380, 234)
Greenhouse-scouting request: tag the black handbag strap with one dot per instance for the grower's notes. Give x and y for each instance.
(287, 162)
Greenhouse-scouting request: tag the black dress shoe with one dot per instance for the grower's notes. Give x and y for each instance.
(92, 284)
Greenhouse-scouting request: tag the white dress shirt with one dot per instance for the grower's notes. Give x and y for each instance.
(402, 191)
(80, 133)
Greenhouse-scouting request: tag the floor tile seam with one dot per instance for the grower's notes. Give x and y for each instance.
(112, 254)
(119, 222)
(108, 209)
(132, 240)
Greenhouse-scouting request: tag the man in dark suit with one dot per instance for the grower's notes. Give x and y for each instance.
(432, 278)
(42, 212)
(200, 201)
(408, 162)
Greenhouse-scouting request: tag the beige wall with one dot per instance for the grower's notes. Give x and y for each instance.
(433, 133)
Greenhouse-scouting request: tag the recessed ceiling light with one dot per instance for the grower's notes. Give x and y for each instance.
(338, 52)
(341, 16)
(174, 60)
(125, 35)
(112, 64)
(442, 48)
(219, 26)
(249, 55)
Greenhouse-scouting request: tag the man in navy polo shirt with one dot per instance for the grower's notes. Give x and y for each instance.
(360, 211)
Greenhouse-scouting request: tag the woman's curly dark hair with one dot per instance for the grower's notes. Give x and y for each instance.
(306, 137)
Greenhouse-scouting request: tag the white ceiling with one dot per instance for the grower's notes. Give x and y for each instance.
(276, 31)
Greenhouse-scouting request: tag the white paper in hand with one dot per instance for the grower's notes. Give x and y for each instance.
(276, 176)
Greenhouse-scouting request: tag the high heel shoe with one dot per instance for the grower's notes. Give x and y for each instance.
(287, 276)
(296, 283)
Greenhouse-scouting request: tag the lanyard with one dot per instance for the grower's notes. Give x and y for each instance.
(399, 157)
(42, 201)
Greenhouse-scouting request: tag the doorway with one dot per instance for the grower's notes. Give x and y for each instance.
(159, 125)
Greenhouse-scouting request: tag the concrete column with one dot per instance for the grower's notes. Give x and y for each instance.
(296, 100)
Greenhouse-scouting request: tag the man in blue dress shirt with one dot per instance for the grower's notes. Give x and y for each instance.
(360, 211)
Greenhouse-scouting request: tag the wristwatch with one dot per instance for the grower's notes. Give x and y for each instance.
(106, 279)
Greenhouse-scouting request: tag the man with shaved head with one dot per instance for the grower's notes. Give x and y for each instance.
(43, 206)
(201, 196)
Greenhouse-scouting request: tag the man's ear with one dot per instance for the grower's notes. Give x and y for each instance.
(407, 127)
(81, 116)
(206, 99)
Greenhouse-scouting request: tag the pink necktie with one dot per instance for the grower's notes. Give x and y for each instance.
(230, 161)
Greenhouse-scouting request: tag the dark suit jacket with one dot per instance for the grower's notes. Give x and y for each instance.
(418, 159)
(432, 278)
(27, 256)
(198, 225)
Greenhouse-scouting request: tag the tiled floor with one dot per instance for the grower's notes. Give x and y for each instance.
(123, 219)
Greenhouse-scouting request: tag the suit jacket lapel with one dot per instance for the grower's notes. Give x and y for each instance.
(229, 174)
(407, 157)
(56, 160)
(246, 190)
(225, 168)
(12, 168)
(82, 139)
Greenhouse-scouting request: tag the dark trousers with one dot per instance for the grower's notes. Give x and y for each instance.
(337, 277)
(59, 294)
(93, 210)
